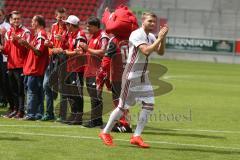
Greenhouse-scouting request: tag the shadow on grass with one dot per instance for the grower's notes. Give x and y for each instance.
(184, 135)
(198, 150)
(216, 151)
(169, 132)
(13, 139)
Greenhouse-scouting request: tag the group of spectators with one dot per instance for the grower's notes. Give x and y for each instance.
(32, 61)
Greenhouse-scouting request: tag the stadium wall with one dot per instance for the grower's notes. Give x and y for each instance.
(233, 59)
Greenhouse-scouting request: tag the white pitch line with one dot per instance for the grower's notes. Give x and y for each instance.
(204, 130)
(40, 126)
(78, 126)
(95, 138)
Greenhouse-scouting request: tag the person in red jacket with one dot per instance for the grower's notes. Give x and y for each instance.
(56, 40)
(16, 54)
(75, 69)
(95, 51)
(5, 95)
(34, 68)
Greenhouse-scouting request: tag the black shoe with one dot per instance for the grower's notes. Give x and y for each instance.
(122, 128)
(12, 114)
(70, 119)
(5, 115)
(29, 118)
(92, 124)
(77, 120)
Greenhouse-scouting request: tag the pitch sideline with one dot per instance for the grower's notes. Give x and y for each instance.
(95, 138)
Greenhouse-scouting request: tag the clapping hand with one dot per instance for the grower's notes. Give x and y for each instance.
(163, 31)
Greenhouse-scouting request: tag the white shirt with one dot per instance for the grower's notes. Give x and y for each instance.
(137, 61)
(7, 27)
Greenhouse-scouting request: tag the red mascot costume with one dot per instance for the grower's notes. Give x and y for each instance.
(119, 24)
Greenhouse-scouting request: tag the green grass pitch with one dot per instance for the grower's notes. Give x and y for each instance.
(198, 119)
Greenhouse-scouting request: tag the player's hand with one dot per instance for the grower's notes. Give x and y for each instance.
(15, 37)
(57, 50)
(58, 37)
(23, 42)
(47, 43)
(3, 31)
(79, 51)
(84, 46)
(163, 32)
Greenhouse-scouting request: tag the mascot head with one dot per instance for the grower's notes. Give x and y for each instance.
(121, 22)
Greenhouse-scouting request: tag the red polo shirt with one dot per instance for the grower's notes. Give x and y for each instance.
(75, 63)
(36, 65)
(16, 53)
(97, 41)
(55, 31)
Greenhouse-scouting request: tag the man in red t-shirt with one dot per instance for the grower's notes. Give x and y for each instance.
(56, 40)
(34, 69)
(16, 54)
(75, 69)
(95, 51)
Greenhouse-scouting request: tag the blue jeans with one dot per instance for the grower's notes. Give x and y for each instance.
(48, 92)
(34, 86)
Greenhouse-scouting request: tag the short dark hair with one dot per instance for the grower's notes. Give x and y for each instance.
(60, 10)
(94, 21)
(40, 19)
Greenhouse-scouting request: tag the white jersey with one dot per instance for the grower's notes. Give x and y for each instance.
(136, 86)
(137, 62)
(5, 26)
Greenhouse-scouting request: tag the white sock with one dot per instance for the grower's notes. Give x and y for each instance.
(143, 118)
(114, 117)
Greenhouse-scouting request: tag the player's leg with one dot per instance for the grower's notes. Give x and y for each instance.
(116, 114)
(144, 95)
(105, 134)
(123, 125)
(143, 118)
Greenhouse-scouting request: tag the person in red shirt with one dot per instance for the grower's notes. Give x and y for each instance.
(16, 54)
(95, 51)
(5, 95)
(34, 68)
(57, 38)
(75, 69)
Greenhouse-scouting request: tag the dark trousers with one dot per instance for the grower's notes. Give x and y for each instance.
(96, 100)
(72, 93)
(5, 90)
(16, 82)
(76, 99)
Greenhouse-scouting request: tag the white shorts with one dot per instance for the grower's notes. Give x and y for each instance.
(136, 91)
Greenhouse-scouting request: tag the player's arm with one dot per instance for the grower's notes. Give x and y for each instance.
(161, 48)
(71, 53)
(38, 48)
(78, 50)
(49, 42)
(101, 51)
(148, 49)
(158, 45)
